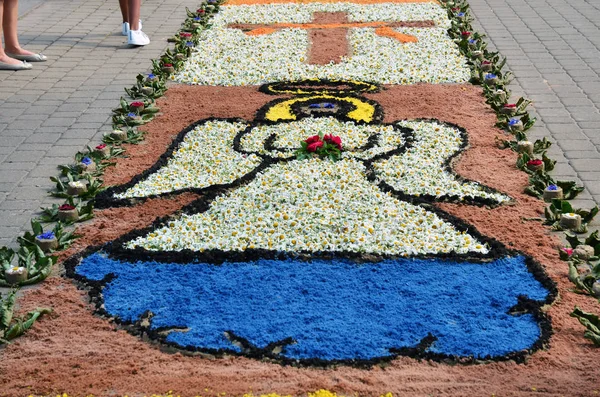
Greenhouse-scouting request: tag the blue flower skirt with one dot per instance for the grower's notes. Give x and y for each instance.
(332, 310)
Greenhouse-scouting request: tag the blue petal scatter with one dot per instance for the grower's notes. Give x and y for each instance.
(334, 309)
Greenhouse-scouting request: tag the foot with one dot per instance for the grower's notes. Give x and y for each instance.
(126, 26)
(137, 37)
(22, 54)
(10, 61)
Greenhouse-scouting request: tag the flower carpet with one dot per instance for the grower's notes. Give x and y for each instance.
(320, 203)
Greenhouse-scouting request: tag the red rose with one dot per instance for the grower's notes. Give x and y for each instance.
(137, 104)
(314, 146)
(66, 207)
(334, 140)
(534, 162)
(100, 147)
(313, 139)
(466, 34)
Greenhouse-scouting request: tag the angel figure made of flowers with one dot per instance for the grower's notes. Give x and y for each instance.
(316, 261)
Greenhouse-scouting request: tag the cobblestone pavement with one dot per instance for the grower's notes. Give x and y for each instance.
(51, 112)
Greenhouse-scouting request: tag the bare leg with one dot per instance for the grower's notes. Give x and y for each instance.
(134, 14)
(9, 27)
(3, 57)
(123, 4)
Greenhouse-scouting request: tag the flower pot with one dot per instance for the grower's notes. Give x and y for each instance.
(535, 166)
(477, 55)
(136, 106)
(168, 69)
(509, 110)
(486, 67)
(570, 221)
(583, 252)
(88, 168)
(515, 125)
(15, 275)
(525, 147)
(68, 215)
(501, 95)
(491, 80)
(554, 193)
(596, 289)
(46, 244)
(103, 150)
(180, 56)
(118, 135)
(195, 25)
(147, 90)
(583, 269)
(76, 188)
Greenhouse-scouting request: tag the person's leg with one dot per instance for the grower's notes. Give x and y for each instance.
(124, 5)
(9, 27)
(3, 57)
(134, 14)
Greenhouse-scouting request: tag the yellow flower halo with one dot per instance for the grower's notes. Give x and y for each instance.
(363, 112)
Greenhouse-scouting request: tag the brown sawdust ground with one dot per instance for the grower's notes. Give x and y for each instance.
(79, 353)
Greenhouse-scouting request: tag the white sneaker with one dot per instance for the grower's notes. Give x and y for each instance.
(125, 28)
(137, 37)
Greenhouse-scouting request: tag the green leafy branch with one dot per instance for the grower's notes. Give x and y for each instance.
(10, 327)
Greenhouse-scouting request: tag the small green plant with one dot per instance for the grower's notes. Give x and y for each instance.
(84, 209)
(150, 87)
(11, 328)
(37, 265)
(64, 238)
(591, 322)
(558, 207)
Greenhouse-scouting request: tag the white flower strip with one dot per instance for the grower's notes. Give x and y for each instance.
(204, 158)
(420, 170)
(290, 135)
(230, 57)
(303, 13)
(312, 206)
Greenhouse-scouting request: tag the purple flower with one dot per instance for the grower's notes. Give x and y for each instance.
(46, 236)
(86, 161)
(490, 76)
(553, 187)
(131, 115)
(514, 122)
(472, 41)
(461, 14)
(197, 19)
(151, 76)
(189, 43)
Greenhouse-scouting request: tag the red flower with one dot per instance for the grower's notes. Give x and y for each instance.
(465, 34)
(485, 62)
(100, 147)
(511, 105)
(137, 104)
(456, 9)
(200, 11)
(334, 140)
(185, 34)
(568, 251)
(535, 162)
(66, 207)
(313, 139)
(314, 146)
(168, 65)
